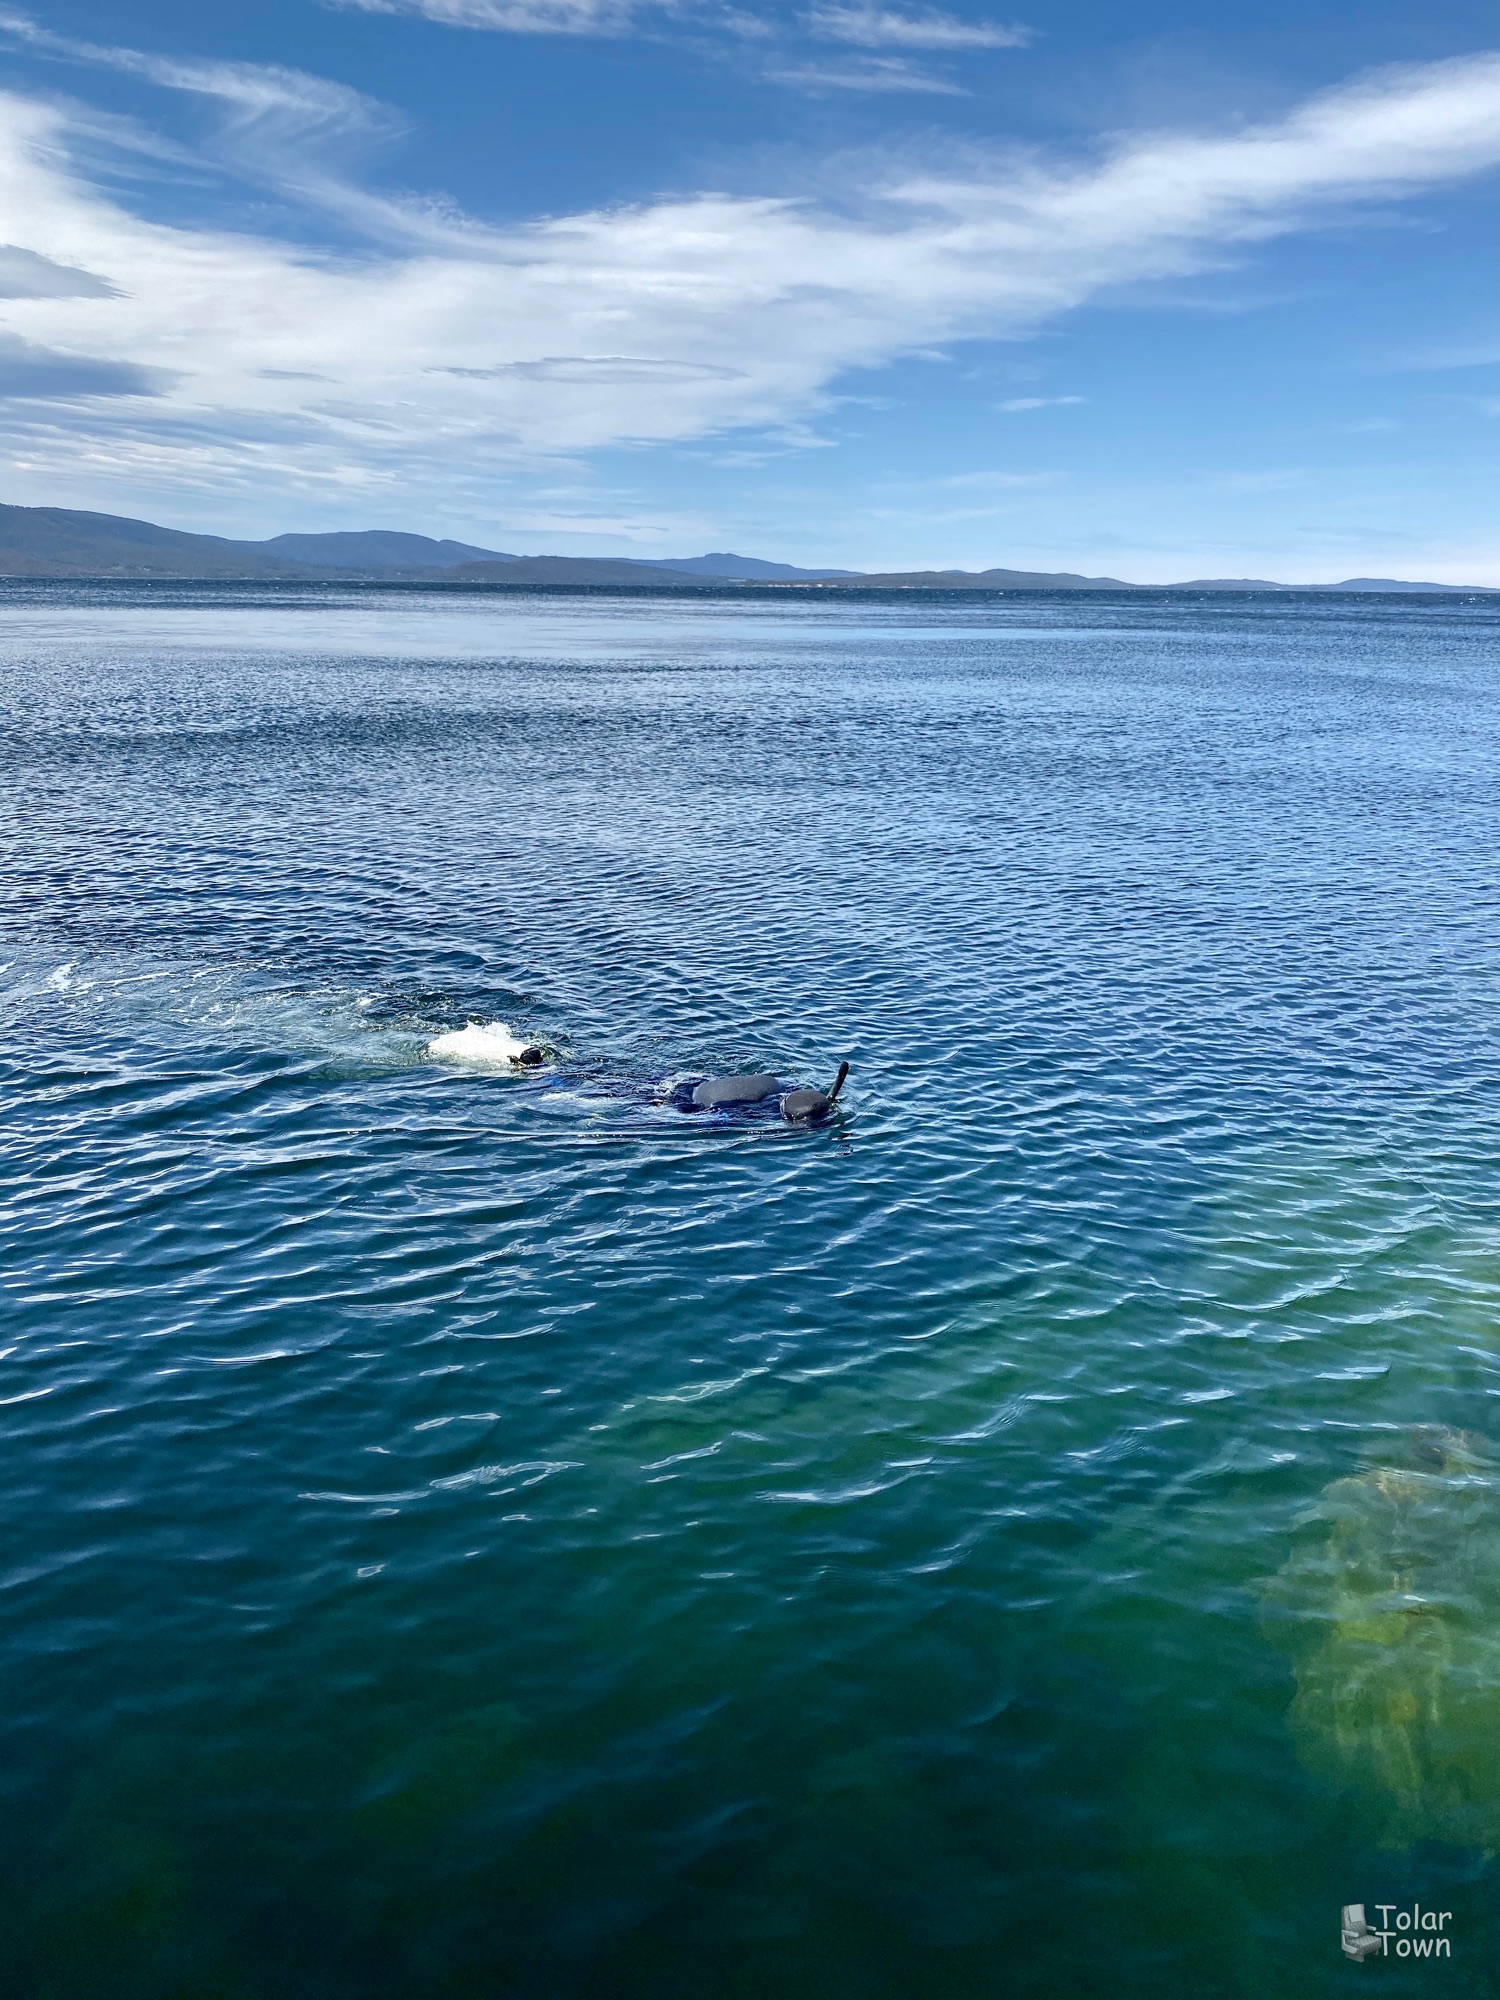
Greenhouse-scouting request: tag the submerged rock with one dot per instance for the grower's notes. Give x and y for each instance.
(1390, 1610)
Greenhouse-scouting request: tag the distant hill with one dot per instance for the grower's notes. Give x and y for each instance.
(1026, 579)
(517, 572)
(56, 541)
(629, 570)
(746, 569)
(374, 548)
(1390, 583)
(64, 542)
(1350, 583)
(986, 579)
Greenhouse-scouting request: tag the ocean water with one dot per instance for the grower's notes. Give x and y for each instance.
(473, 1535)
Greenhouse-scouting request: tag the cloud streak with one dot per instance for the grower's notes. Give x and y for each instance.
(447, 354)
(927, 28)
(513, 17)
(869, 73)
(25, 274)
(29, 373)
(863, 26)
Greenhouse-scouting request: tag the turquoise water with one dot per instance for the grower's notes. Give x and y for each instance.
(476, 1535)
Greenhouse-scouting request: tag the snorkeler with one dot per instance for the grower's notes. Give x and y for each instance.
(802, 1106)
(491, 1045)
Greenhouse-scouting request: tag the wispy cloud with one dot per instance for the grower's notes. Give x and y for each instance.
(1038, 402)
(252, 93)
(925, 28)
(26, 274)
(29, 373)
(869, 27)
(999, 480)
(591, 369)
(446, 354)
(866, 73)
(1477, 354)
(513, 17)
(275, 124)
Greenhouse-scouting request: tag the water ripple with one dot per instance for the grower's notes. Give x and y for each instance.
(489, 1533)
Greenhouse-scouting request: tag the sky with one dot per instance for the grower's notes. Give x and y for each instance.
(1159, 293)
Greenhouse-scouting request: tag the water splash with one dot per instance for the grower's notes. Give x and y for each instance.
(481, 1045)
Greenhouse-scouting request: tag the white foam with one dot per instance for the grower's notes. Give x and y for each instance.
(222, 1007)
(489, 1045)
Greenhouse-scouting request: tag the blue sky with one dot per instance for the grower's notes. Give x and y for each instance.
(1068, 287)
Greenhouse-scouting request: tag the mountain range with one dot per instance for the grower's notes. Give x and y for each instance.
(40, 542)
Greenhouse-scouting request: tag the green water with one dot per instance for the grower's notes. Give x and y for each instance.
(474, 1534)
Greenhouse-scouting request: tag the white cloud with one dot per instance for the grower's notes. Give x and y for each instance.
(277, 124)
(1038, 402)
(866, 73)
(515, 17)
(25, 274)
(447, 354)
(865, 26)
(1482, 354)
(593, 369)
(927, 28)
(999, 479)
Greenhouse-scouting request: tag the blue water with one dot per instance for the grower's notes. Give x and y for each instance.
(475, 1535)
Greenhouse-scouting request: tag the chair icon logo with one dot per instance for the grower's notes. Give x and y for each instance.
(1356, 1936)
